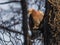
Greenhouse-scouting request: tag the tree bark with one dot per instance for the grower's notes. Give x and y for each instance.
(24, 21)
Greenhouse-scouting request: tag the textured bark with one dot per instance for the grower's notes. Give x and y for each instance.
(53, 15)
(24, 22)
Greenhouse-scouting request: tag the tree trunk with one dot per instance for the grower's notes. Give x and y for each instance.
(24, 21)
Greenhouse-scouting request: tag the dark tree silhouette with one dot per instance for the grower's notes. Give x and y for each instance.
(24, 22)
(46, 26)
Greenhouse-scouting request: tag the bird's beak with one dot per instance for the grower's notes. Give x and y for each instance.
(29, 13)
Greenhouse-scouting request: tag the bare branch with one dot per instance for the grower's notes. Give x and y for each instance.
(14, 24)
(11, 30)
(9, 2)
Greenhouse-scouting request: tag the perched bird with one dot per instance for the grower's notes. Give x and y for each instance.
(37, 17)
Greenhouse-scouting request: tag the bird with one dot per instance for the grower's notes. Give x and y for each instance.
(37, 17)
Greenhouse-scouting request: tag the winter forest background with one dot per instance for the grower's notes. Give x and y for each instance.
(11, 21)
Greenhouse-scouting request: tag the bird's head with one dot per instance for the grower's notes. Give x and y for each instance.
(30, 11)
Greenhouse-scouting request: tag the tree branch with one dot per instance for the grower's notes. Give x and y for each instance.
(14, 24)
(10, 2)
(11, 30)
